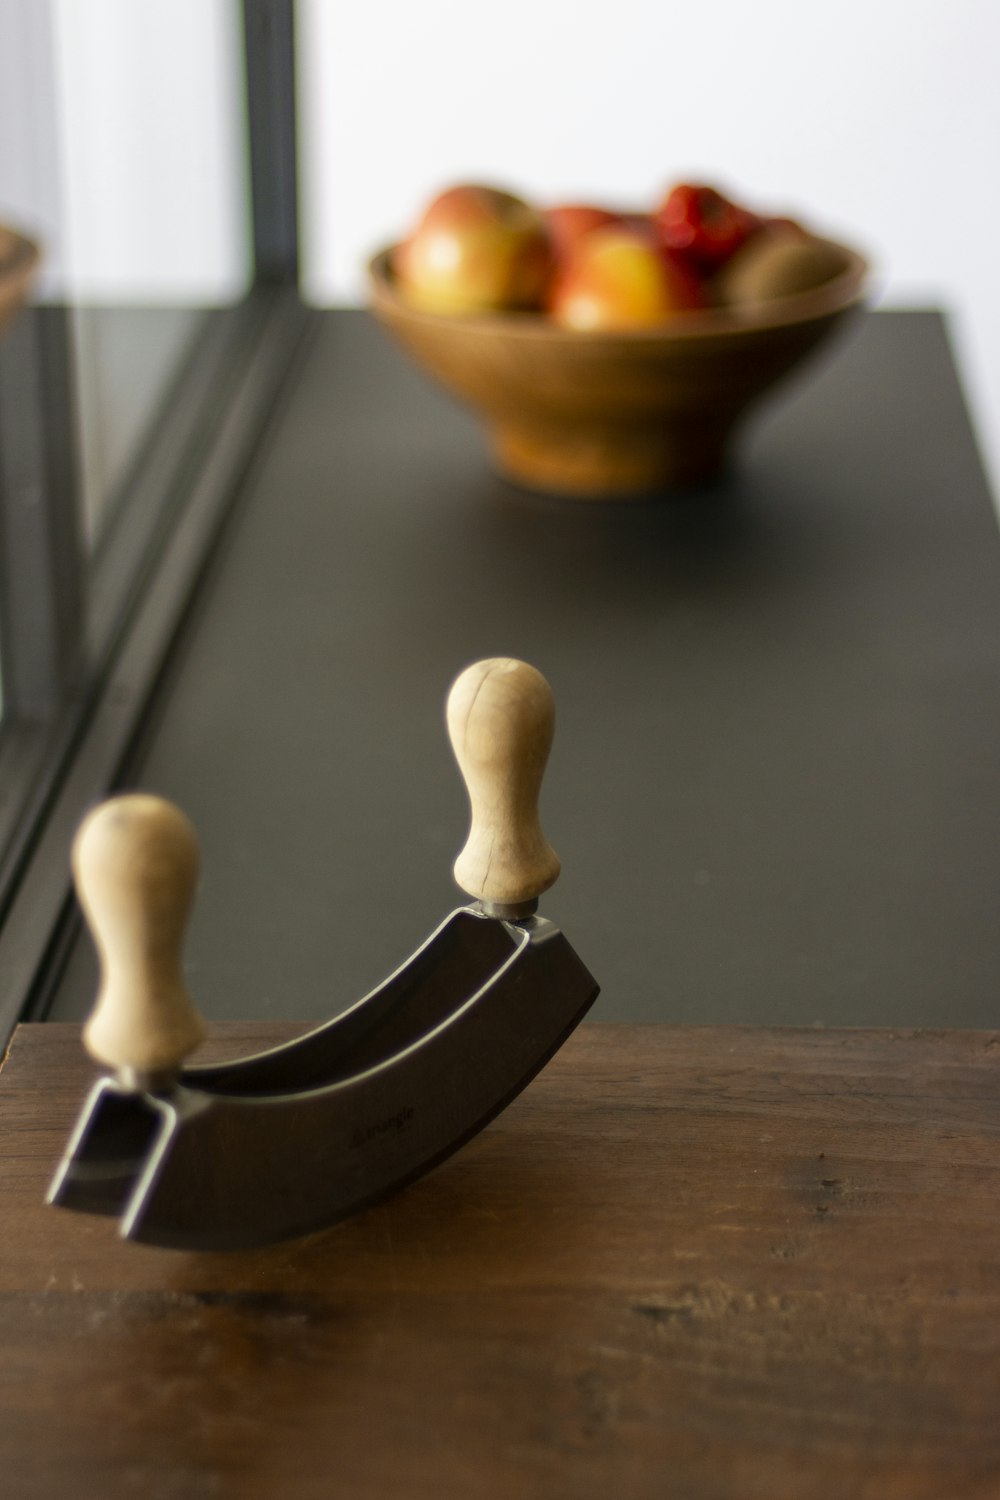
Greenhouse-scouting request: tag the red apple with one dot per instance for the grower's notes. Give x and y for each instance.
(569, 222)
(475, 249)
(703, 224)
(619, 278)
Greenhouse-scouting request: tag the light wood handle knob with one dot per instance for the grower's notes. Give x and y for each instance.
(501, 718)
(135, 864)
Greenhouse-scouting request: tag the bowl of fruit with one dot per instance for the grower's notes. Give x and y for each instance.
(609, 352)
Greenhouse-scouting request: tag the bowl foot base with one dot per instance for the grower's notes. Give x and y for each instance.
(586, 462)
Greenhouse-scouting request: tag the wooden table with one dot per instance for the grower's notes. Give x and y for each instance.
(711, 1263)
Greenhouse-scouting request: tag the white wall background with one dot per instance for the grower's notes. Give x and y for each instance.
(877, 119)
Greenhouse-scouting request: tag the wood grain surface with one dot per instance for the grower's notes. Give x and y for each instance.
(705, 1263)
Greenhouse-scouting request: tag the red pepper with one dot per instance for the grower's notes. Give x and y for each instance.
(700, 222)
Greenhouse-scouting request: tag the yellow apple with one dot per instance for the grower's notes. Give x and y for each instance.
(620, 278)
(475, 249)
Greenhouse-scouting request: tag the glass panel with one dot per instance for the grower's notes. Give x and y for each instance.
(124, 134)
(27, 181)
(123, 154)
(152, 141)
(126, 359)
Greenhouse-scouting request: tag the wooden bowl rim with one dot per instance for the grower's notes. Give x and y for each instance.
(843, 291)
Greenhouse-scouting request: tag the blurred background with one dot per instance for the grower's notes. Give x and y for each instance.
(122, 142)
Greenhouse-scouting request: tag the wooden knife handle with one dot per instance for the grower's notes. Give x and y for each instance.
(501, 718)
(135, 865)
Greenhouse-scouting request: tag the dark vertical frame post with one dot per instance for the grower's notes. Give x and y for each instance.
(40, 550)
(269, 32)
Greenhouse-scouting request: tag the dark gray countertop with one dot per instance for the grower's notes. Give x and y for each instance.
(776, 781)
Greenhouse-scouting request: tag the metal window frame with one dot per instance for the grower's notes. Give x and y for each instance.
(85, 642)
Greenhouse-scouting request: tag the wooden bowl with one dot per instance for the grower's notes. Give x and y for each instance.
(608, 414)
(19, 259)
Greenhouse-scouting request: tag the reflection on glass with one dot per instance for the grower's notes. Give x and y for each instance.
(126, 359)
(125, 155)
(152, 141)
